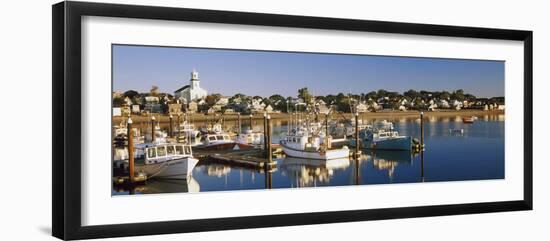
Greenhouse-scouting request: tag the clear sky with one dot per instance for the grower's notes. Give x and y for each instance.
(266, 73)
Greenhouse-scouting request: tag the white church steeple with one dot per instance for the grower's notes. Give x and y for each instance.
(194, 82)
(193, 91)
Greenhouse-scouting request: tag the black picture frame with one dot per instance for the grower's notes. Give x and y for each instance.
(66, 122)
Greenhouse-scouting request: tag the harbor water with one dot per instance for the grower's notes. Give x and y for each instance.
(454, 151)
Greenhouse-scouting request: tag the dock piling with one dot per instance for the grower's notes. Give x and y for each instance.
(422, 130)
(170, 132)
(269, 146)
(130, 136)
(152, 128)
(265, 134)
(357, 135)
(239, 121)
(178, 128)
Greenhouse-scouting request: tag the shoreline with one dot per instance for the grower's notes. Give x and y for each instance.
(164, 118)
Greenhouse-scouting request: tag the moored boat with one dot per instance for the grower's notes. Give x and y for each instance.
(217, 141)
(468, 120)
(383, 139)
(303, 143)
(251, 137)
(166, 160)
(188, 134)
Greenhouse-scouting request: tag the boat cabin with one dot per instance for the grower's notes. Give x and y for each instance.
(164, 152)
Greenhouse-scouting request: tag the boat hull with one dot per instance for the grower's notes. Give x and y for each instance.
(179, 168)
(327, 155)
(403, 143)
(221, 146)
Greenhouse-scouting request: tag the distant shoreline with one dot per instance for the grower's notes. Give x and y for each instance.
(164, 118)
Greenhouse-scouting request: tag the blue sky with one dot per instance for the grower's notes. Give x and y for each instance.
(265, 72)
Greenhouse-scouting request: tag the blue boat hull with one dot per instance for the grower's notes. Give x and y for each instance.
(404, 143)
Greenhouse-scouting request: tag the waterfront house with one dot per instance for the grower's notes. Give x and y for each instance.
(211, 110)
(127, 101)
(257, 105)
(443, 104)
(117, 111)
(135, 109)
(361, 108)
(269, 109)
(117, 95)
(192, 107)
(174, 109)
(121, 111)
(152, 104)
(321, 107)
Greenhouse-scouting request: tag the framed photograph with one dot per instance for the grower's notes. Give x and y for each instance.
(170, 120)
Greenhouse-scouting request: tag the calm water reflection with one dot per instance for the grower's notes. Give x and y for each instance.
(475, 154)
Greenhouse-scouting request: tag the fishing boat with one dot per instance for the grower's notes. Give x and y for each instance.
(383, 139)
(160, 135)
(120, 135)
(166, 160)
(251, 137)
(217, 141)
(188, 134)
(216, 128)
(304, 142)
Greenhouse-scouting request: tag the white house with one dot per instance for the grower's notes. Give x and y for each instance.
(192, 91)
(361, 108)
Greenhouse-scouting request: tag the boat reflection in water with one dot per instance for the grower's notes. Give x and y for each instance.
(217, 170)
(309, 173)
(162, 186)
(389, 160)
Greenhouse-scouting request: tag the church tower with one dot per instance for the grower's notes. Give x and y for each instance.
(195, 82)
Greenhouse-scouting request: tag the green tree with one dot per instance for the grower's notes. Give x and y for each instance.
(212, 99)
(131, 94)
(458, 95)
(304, 94)
(118, 101)
(445, 95)
(154, 90)
(278, 102)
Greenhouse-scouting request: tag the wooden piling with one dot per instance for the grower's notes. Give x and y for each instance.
(269, 146)
(265, 134)
(152, 129)
(326, 124)
(239, 121)
(170, 131)
(250, 122)
(130, 136)
(422, 177)
(422, 130)
(356, 135)
(178, 128)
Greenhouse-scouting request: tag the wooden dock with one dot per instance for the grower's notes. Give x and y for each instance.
(250, 158)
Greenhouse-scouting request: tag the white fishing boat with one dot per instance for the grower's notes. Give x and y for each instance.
(120, 134)
(217, 141)
(383, 139)
(251, 137)
(165, 160)
(160, 135)
(189, 134)
(302, 142)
